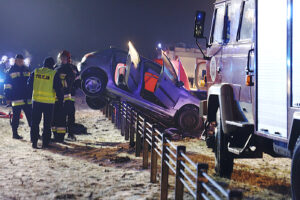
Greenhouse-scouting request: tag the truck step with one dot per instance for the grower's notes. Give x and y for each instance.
(239, 123)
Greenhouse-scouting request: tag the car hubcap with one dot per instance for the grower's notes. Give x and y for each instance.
(93, 84)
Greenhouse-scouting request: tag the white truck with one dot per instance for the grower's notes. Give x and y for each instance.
(253, 74)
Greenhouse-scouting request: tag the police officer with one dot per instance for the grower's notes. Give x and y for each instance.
(45, 85)
(67, 78)
(17, 93)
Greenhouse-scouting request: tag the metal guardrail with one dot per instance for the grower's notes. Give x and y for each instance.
(145, 134)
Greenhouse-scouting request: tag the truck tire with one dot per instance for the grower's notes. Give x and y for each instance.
(94, 84)
(295, 172)
(223, 158)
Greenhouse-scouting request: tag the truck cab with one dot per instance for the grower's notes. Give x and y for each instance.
(253, 86)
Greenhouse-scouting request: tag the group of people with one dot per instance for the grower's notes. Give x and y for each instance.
(48, 91)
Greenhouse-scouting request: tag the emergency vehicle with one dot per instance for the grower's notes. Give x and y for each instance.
(253, 70)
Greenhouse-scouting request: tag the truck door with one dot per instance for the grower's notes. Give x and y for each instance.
(272, 66)
(216, 44)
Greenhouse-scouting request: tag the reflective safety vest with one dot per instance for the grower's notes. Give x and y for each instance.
(43, 91)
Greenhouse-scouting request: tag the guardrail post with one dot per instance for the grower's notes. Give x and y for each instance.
(138, 139)
(153, 156)
(131, 131)
(123, 119)
(119, 115)
(107, 110)
(164, 169)
(235, 195)
(201, 167)
(145, 148)
(179, 185)
(113, 113)
(127, 122)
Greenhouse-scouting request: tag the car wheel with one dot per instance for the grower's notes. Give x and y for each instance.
(295, 172)
(96, 103)
(94, 84)
(223, 158)
(189, 120)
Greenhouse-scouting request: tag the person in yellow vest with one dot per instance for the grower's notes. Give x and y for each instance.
(45, 85)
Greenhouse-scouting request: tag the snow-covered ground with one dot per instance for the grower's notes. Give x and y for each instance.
(101, 165)
(96, 166)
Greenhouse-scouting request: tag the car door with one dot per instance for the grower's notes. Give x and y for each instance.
(133, 73)
(168, 89)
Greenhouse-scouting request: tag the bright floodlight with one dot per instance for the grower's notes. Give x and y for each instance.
(11, 61)
(27, 62)
(159, 45)
(4, 59)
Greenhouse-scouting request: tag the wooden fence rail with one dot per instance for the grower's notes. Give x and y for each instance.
(144, 134)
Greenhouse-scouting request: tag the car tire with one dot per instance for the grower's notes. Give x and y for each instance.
(295, 171)
(189, 120)
(96, 103)
(94, 84)
(223, 158)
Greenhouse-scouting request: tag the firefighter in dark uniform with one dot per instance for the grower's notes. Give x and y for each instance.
(45, 85)
(17, 93)
(67, 78)
(70, 105)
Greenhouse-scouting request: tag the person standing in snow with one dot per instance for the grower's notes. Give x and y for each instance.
(67, 78)
(17, 93)
(46, 86)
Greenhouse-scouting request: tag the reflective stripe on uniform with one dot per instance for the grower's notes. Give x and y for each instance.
(60, 129)
(15, 75)
(29, 101)
(67, 97)
(7, 86)
(73, 98)
(18, 103)
(27, 74)
(53, 129)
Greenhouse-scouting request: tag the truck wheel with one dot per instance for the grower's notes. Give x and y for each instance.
(94, 84)
(295, 175)
(223, 158)
(189, 120)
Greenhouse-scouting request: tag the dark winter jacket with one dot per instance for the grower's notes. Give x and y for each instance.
(66, 76)
(15, 84)
(77, 82)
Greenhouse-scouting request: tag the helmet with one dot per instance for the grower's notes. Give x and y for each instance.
(65, 53)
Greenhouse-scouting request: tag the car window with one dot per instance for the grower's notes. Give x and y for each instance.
(169, 69)
(228, 23)
(217, 35)
(152, 67)
(247, 23)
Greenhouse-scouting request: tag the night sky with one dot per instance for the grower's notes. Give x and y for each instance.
(44, 27)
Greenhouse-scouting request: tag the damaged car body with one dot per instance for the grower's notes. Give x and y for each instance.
(114, 74)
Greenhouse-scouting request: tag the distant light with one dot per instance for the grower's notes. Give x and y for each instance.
(27, 62)
(11, 61)
(4, 59)
(199, 16)
(159, 45)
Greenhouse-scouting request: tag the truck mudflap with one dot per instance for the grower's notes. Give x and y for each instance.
(294, 134)
(221, 96)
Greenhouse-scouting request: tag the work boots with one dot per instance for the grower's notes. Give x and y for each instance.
(16, 135)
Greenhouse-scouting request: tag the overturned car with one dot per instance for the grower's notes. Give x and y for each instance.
(114, 74)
